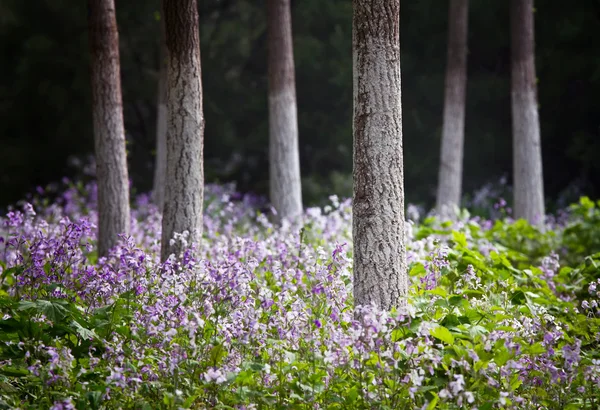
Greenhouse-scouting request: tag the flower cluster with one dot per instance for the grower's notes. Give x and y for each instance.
(260, 315)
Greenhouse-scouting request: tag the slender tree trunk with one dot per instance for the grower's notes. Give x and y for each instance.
(109, 132)
(527, 151)
(380, 275)
(184, 187)
(453, 133)
(160, 164)
(284, 159)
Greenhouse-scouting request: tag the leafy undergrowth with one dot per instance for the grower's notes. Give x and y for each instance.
(500, 315)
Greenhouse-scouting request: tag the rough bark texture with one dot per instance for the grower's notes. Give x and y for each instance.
(184, 187)
(109, 132)
(160, 163)
(380, 275)
(527, 152)
(284, 159)
(453, 132)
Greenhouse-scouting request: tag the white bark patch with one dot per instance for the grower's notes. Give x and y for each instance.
(380, 275)
(184, 188)
(453, 132)
(527, 159)
(451, 161)
(528, 179)
(284, 159)
(109, 133)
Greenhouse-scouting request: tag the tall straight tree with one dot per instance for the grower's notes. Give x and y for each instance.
(160, 162)
(380, 275)
(453, 133)
(527, 152)
(184, 182)
(284, 160)
(109, 132)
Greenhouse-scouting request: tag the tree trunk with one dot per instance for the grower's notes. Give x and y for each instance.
(184, 187)
(527, 151)
(160, 164)
(284, 159)
(453, 132)
(109, 132)
(380, 275)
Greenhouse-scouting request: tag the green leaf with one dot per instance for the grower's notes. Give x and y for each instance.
(352, 394)
(477, 330)
(586, 202)
(7, 388)
(14, 371)
(398, 334)
(456, 300)
(257, 367)
(190, 400)
(515, 382)
(536, 348)
(438, 292)
(502, 356)
(487, 406)
(442, 334)
(94, 399)
(84, 333)
(53, 310)
(473, 293)
(10, 325)
(518, 298)
(433, 402)
(417, 269)
(460, 239)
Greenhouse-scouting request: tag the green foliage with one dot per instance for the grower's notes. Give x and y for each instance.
(493, 322)
(580, 238)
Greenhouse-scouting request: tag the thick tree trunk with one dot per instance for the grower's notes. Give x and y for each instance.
(453, 132)
(160, 163)
(380, 275)
(527, 151)
(184, 184)
(284, 159)
(109, 132)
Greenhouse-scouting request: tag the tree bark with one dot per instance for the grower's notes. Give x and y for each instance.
(380, 272)
(284, 159)
(184, 187)
(527, 151)
(160, 164)
(109, 132)
(453, 132)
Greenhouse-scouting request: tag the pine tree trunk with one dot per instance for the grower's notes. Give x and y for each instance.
(380, 272)
(109, 132)
(160, 164)
(453, 132)
(184, 183)
(284, 159)
(527, 151)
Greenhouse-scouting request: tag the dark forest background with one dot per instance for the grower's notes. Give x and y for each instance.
(45, 113)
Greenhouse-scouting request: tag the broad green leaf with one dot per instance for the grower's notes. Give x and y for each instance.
(54, 310)
(442, 334)
(84, 333)
(352, 394)
(13, 371)
(536, 348)
(460, 239)
(433, 402)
